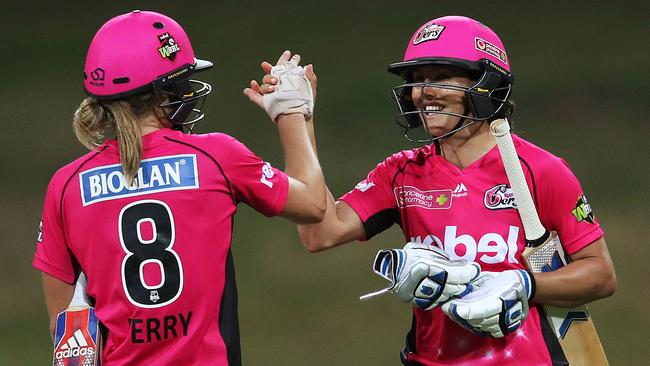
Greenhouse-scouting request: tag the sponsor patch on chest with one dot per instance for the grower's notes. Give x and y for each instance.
(435, 199)
(167, 173)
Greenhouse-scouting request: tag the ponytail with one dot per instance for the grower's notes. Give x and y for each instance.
(93, 118)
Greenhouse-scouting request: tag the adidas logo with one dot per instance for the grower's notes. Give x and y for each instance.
(75, 346)
(459, 191)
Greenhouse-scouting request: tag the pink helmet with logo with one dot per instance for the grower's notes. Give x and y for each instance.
(136, 52)
(464, 43)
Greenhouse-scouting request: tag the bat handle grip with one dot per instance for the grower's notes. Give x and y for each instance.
(533, 227)
(79, 298)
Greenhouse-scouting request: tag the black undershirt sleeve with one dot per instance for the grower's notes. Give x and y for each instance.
(380, 221)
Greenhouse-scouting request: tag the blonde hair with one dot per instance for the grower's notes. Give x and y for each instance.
(94, 118)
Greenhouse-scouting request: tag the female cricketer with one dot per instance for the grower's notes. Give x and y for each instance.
(453, 198)
(148, 216)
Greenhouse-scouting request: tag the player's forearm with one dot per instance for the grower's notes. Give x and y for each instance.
(341, 225)
(575, 284)
(320, 236)
(57, 297)
(301, 163)
(310, 132)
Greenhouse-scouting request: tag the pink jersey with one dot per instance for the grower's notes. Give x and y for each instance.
(157, 256)
(471, 214)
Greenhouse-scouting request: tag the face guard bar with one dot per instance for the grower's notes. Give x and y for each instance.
(481, 104)
(186, 98)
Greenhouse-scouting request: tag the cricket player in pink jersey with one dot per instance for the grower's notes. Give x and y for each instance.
(148, 216)
(453, 198)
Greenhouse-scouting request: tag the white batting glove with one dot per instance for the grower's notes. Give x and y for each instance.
(497, 306)
(423, 275)
(293, 92)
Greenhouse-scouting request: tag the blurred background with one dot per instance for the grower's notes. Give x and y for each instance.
(581, 80)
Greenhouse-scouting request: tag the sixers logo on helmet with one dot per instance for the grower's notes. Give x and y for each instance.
(429, 33)
(168, 47)
(499, 197)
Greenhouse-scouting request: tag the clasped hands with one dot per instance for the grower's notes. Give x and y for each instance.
(486, 303)
(286, 88)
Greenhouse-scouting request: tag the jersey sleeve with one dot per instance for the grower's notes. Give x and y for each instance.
(374, 201)
(565, 209)
(52, 254)
(253, 181)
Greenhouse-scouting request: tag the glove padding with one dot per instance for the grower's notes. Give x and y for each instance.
(293, 92)
(497, 306)
(423, 275)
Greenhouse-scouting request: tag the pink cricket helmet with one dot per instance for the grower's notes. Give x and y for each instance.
(461, 42)
(132, 51)
(453, 40)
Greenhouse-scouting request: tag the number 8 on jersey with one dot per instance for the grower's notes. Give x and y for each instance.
(156, 250)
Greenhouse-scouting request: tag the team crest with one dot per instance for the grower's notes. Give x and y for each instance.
(168, 46)
(582, 211)
(429, 33)
(499, 197)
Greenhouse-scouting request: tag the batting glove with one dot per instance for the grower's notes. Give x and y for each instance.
(423, 275)
(497, 306)
(293, 92)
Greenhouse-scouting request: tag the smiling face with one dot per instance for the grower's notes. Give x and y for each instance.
(442, 101)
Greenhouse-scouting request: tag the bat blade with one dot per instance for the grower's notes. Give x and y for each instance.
(573, 327)
(77, 338)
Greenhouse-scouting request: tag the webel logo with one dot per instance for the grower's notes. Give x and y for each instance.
(490, 248)
(436, 199)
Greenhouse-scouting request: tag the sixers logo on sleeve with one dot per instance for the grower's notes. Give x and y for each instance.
(167, 173)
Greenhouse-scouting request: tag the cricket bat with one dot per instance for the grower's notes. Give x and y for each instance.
(77, 339)
(573, 327)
